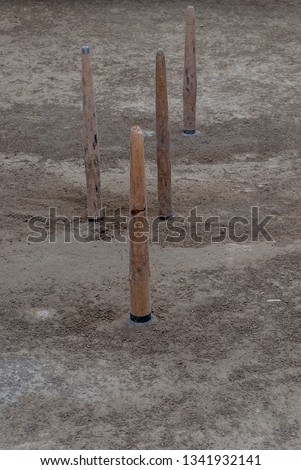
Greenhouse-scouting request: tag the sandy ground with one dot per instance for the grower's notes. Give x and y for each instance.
(220, 367)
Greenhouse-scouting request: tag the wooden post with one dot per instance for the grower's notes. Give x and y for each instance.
(190, 79)
(91, 140)
(163, 139)
(139, 257)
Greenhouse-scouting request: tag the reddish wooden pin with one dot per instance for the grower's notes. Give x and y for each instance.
(92, 155)
(163, 139)
(138, 227)
(190, 79)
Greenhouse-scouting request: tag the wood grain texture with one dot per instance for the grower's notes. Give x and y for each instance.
(91, 145)
(190, 78)
(139, 252)
(163, 138)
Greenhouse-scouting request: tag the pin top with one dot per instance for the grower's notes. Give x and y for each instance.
(160, 52)
(86, 50)
(190, 16)
(136, 130)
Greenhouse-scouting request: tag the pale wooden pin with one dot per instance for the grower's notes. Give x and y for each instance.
(140, 312)
(91, 144)
(190, 79)
(163, 139)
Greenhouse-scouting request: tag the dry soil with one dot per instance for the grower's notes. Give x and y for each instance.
(220, 367)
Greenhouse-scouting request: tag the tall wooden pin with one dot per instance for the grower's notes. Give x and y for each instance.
(163, 139)
(190, 79)
(91, 140)
(139, 256)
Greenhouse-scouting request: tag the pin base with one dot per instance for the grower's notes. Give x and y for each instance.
(189, 132)
(140, 321)
(166, 217)
(97, 218)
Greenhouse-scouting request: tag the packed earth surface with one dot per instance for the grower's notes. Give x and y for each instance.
(220, 365)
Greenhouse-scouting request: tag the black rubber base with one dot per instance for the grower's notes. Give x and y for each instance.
(95, 219)
(165, 217)
(188, 132)
(145, 319)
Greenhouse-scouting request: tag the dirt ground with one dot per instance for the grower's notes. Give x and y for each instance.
(220, 367)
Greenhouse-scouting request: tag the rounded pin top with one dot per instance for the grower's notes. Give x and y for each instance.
(136, 130)
(160, 51)
(86, 50)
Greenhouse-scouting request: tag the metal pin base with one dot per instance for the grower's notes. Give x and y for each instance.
(140, 321)
(189, 132)
(166, 217)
